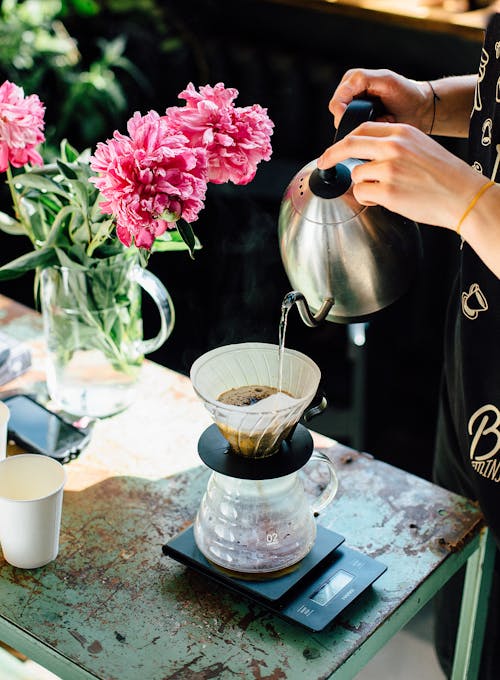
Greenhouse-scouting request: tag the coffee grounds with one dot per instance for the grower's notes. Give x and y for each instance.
(246, 395)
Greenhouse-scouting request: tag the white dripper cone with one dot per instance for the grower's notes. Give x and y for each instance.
(258, 429)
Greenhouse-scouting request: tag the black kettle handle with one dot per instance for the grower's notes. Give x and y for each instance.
(357, 112)
(333, 182)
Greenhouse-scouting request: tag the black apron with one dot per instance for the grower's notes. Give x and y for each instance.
(467, 457)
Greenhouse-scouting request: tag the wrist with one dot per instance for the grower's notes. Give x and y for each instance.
(480, 210)
(481, 229)
(428, 107)
(435, 98)
(456, 205)
(450, 101)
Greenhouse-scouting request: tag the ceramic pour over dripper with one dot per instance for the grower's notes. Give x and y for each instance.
(257, 430)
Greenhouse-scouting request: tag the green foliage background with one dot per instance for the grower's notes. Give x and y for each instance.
(92, 63)
(86, 60)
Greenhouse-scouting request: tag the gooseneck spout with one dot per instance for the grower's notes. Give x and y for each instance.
(310, 319)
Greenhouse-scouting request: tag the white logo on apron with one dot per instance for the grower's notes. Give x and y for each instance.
(485, 422)
(485, 57)
(473, 302)
(487, 129)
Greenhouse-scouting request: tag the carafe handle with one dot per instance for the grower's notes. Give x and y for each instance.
(330, 490)
(155, 288)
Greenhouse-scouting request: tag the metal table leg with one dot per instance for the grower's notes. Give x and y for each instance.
(474, 609)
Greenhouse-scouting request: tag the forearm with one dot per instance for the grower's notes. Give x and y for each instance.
(454, 106)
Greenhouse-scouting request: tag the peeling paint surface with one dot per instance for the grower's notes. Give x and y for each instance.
(113, 604)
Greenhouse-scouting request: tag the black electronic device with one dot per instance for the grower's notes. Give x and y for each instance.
(324, 584)
(39, 430)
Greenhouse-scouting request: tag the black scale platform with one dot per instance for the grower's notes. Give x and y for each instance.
(326, 581)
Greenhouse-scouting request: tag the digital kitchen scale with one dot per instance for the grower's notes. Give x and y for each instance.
(328, 579)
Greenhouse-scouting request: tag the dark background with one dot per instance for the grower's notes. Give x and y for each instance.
(288, 60)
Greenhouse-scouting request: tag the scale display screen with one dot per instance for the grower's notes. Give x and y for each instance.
(332, 587)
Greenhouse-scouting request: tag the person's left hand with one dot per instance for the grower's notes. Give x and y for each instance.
(407, 172)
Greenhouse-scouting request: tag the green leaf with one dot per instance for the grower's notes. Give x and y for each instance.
(66, 170)
(168, 246)
(187, 234)
(112, 249)
(38, 226)
(66, 261)
(163, 245)
(45, 200)
(171, 235)
(78, 228)
(34, 181)
(83, 161)
(45, 257)
(95, 212)
(56, 228)
(68, 153)
(81, 193)
(99, 235)
(11, 226)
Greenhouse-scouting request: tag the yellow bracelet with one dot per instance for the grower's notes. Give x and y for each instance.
(476, 198)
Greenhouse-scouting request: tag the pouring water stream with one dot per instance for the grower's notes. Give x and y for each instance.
(310, 319)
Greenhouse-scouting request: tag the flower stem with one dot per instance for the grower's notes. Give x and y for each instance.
(18, 209)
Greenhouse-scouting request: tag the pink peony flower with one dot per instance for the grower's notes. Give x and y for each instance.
(149, 179)
(21, 125)
(236, 139)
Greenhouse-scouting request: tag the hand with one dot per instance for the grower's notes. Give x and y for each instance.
(407, 172)
(405, 100)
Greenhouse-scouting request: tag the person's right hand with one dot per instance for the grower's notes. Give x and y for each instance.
(404, 100)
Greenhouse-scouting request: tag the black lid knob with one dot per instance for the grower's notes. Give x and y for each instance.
(335, 181)
(331, 182)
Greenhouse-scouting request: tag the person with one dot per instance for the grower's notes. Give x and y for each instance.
(409, 172)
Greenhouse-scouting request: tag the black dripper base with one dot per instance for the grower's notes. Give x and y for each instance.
(294, 452)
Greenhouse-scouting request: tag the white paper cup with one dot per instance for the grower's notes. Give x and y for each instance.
(31, 494)
(4, 419)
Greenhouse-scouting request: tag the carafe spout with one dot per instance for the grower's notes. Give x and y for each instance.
(310, 319)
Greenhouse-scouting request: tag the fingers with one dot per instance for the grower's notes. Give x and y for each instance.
(374, 171)
(368, 141)
(349, 147)
(369, 193)
(378, 183)
(343, 96)
(356, 83)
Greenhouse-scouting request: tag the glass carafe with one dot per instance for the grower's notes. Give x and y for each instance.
(260, 527)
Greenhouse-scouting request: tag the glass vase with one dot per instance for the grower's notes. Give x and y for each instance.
(94, 335)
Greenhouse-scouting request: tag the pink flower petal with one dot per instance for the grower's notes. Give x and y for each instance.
(21, 125)
(236, 139)
(147, 174)
(159, 171)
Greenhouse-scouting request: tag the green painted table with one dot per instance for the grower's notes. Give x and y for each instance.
(112, 606)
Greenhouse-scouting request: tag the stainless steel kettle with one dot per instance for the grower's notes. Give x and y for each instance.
(345, 260)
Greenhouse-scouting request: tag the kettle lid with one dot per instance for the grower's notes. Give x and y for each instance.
(334, 182)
